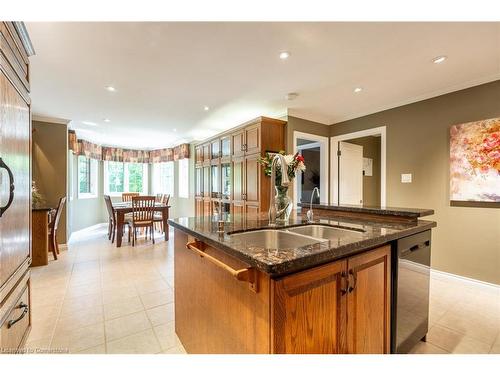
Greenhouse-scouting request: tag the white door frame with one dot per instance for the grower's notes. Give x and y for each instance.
(334, 161)
(324, 173)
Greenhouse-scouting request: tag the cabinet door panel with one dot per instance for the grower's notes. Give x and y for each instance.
(252, 179)
(206, 181)
(207, 207)
(252, 139)
(15, 132)
(309, 311)
(368, 302)
(238, 140)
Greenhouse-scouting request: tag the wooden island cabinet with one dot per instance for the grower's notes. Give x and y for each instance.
(223, 306)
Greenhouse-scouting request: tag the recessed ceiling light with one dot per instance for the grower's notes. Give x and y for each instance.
(358, 89)
(439, 59)
(284, 55)
(175, 130)
(291, 96)
(110, 88)
(106, 120)
(206, 108)
(89, 123)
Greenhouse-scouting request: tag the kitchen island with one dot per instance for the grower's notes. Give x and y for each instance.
(244, 286)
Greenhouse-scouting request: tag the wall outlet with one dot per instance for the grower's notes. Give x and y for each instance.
(406, 178)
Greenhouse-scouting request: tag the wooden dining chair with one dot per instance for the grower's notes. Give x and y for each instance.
(112, 219)
(158, 217)
(159, 198)
(143, 209)
(127, 197)
(54, 222)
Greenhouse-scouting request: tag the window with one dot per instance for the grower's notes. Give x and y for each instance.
(87, 177)
(163, 178)
(125, 177)
(184, 178)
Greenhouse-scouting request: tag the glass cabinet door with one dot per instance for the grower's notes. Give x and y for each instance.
(215, 149)
(215, 181)
(206, 181)
(199, 182)
(226, 181)
(226, 146)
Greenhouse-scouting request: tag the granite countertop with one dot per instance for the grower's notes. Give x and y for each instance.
(377, 210)
(276, 262)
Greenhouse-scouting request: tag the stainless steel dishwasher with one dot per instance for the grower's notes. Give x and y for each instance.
(410, 291)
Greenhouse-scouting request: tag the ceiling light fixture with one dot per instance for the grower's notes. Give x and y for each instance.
(89, 123)
(358, 89)
(106, 120)
(175, 129)
(284, 55)
(206, 108)
(439, 59)
(291, 96)
(110, 88)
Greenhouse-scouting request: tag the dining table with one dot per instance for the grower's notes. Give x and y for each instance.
(123, 208)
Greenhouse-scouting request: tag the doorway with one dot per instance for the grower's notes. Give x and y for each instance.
(314, 149)
(358, 168)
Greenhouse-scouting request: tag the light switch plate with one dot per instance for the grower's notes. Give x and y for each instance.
(406, 178)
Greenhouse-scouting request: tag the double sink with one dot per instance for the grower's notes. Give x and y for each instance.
(294, 237)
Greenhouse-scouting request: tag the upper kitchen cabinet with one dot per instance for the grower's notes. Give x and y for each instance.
(236, 178)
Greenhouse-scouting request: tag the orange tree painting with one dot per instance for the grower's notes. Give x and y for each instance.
(475, 161)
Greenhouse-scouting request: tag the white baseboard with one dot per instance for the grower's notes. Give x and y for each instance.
(467, 280)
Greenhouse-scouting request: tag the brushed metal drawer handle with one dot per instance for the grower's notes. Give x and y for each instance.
(244, 274)
(24, 306)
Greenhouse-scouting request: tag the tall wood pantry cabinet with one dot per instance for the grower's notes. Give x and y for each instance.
(228, 177)
(15, 186)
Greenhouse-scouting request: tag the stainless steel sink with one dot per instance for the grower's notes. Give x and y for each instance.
(274, 239)
(326, 232)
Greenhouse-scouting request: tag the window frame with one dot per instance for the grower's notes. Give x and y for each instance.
(126, 175)
(183, 186)
(93, 176)
(157, 176)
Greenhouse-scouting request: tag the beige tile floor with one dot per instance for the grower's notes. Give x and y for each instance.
(99, 299)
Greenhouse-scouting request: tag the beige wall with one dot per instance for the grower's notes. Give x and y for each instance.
(467, 239)
(50, 145)
(371, 184)
(304, 126)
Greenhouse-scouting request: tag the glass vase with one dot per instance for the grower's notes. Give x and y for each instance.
(283, 204)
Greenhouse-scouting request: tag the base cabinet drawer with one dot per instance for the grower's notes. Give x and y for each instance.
(16, 323)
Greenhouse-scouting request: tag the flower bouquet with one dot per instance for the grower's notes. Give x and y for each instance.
(294, 163)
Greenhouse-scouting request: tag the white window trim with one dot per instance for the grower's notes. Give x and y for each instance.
(181, 183)
(94, 180)
(145, 179)
(156, 170)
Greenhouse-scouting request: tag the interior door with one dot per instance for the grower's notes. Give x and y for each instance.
(15, 132)
(350, 173)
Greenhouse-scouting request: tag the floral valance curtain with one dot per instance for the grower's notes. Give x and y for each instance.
(91, 150)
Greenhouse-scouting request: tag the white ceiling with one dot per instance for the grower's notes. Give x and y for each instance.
(165, 73)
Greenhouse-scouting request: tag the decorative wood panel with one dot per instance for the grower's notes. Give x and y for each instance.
(214, 312)
(15, 136)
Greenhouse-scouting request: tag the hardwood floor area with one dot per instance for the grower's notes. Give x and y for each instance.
(97, 298)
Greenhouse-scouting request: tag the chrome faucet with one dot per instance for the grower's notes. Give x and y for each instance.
(310, 214)
(284, 182)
